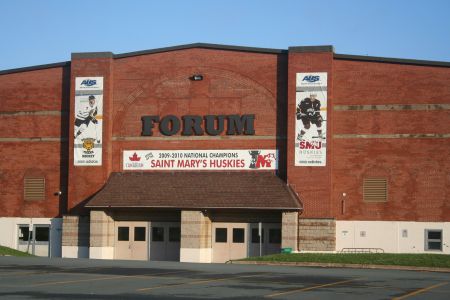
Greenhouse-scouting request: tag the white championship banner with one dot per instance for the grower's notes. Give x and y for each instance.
(311, 119)
(88, 121)
(200, 159)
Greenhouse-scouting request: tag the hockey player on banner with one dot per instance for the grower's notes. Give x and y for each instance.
(308, 111)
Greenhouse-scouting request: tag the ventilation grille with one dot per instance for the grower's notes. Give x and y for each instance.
(34, 188)
(375, 189)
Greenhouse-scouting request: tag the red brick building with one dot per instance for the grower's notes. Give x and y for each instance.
(384, 180)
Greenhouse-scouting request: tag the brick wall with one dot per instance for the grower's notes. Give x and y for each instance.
(233, 83)
(158, 84)
(33, 140)
(84, 181)
(391, 121)
(311, 183)
(385, 119)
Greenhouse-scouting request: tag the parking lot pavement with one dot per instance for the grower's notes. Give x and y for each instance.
(38, 278)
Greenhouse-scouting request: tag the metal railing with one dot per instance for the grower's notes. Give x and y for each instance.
(362, 250)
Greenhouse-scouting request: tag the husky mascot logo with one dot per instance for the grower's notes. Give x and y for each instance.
(258, 160)
(254, 155)
(88, 144)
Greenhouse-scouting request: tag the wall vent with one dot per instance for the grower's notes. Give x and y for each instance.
(34, 188)
(375, 189)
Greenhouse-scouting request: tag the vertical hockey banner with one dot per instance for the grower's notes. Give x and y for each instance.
(311, 119)
(88, 125)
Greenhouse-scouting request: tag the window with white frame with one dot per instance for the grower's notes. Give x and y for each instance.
(433, 240)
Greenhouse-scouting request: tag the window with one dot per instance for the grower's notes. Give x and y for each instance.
(158, 234)
(42, 234)
(405, 233)
(34, 188)
(255, 235)
(221, 235)
(375, 189)
(275, 236)
(139, 234)
(24, 234)
(238, 235)
(433, 240)
(174, 234)
(123, 234)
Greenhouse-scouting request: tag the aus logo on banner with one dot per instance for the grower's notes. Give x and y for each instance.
(310, 78)
(89, 82)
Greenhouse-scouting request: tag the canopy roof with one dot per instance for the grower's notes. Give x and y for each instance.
(196, 190)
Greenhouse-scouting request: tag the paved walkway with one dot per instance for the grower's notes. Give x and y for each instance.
(41, 278)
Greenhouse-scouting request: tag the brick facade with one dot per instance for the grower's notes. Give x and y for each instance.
(34, 107)
(403, 99)
(386, 118)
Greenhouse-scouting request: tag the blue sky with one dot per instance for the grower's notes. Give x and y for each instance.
(41, 32)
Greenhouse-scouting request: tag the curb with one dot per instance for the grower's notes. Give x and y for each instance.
(337, 265)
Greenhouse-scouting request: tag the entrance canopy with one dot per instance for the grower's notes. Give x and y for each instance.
(196, 190)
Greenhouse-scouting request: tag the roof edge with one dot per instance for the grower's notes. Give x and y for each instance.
(305, 49)
(195, 207)
(35, 68)
(295, 49)
(80, 55)
(391, 60)
(204, 46)
(294, 195)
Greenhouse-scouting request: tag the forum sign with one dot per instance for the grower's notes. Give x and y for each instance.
(198, 125)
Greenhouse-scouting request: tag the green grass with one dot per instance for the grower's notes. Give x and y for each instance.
(12, 252)
(416, 260)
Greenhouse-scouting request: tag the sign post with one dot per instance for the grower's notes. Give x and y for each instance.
(260, 238)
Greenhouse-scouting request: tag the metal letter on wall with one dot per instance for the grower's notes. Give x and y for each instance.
(311, 119)
(88, 121)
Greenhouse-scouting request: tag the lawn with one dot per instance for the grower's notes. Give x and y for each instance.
(416, 260)
(12, 252)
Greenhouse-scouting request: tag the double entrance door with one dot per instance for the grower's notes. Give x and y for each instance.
(131, 240)
(266, 240)
(229, 241)
(139, 240)
(239, 240)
